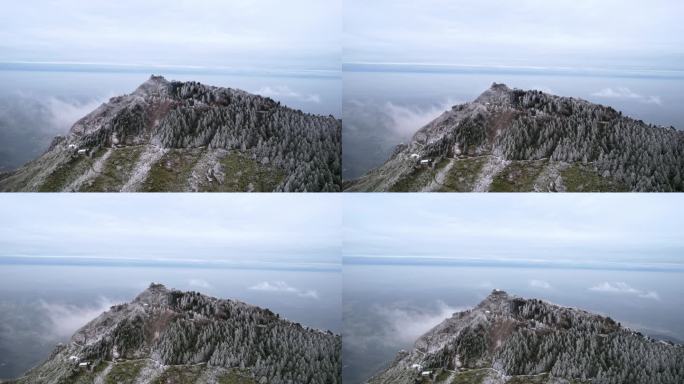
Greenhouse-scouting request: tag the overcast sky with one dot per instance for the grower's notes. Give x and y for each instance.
(259, 229)
(586, 33)
(583, 228)
(299, 34)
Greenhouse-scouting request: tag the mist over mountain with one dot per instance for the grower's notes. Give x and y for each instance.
(508, 339)
(185, 136)
(28, 125)
(165, 335)
(515, 140)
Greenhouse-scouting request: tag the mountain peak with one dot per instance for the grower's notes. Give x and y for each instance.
(188, 136)
(165, 333)
(161, 79)
(156, 287)
(506, 335)
(499, 86)
(155, 294)
(498, 93)
(154, 85)
(511, 139)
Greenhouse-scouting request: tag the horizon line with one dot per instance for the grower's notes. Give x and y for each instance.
(94, 261)
(108, 67)
(512, 263)
(446, 67)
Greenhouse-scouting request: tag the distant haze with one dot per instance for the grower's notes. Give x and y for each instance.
(66, 258)
(205, 33)
(262, 231)
(582, 230)
(411, 260)
(537, 33)
(404, 62)
(61, 59)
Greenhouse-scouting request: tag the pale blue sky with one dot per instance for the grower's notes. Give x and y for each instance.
(538, 33)
(271, 34)
(260, 230)
(577, 229)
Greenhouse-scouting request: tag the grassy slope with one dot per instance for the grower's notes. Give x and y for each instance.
(584, 178)
(518, 176)
(463, 175)
(115, 171)
(125, 372)
(179, 375)
(242, 174)
(128, 371)
(69, 171)
(236, 377)
(418, 178)
(172, 171)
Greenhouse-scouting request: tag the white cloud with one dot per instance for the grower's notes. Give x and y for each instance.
(199, 283)
(67, 319)
(405, 325)
(624, 288)
(407, 120)
(626, 93)
(539, 284)
(281, 286)
(283, 91)
(66, 113)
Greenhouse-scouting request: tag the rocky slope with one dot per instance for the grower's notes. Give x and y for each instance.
(515, 140)
(175, 136)
(171, 337)
(507, 339)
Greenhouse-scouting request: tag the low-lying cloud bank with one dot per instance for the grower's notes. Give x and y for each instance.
(626, 289)
(284, 92)
(29, 123)
(66, 319)
(406, 120)
(539, 284)
(64, 113)
(283, 287)
(406, 324)
(199, 283)
(372, 130)
(626, 93)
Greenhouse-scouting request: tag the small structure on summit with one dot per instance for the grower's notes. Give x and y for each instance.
(416, 366)
(82, 151)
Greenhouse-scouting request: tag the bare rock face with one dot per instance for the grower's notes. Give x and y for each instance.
(508, 339)
(529, 139)
(161, 135)
(166, 335)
